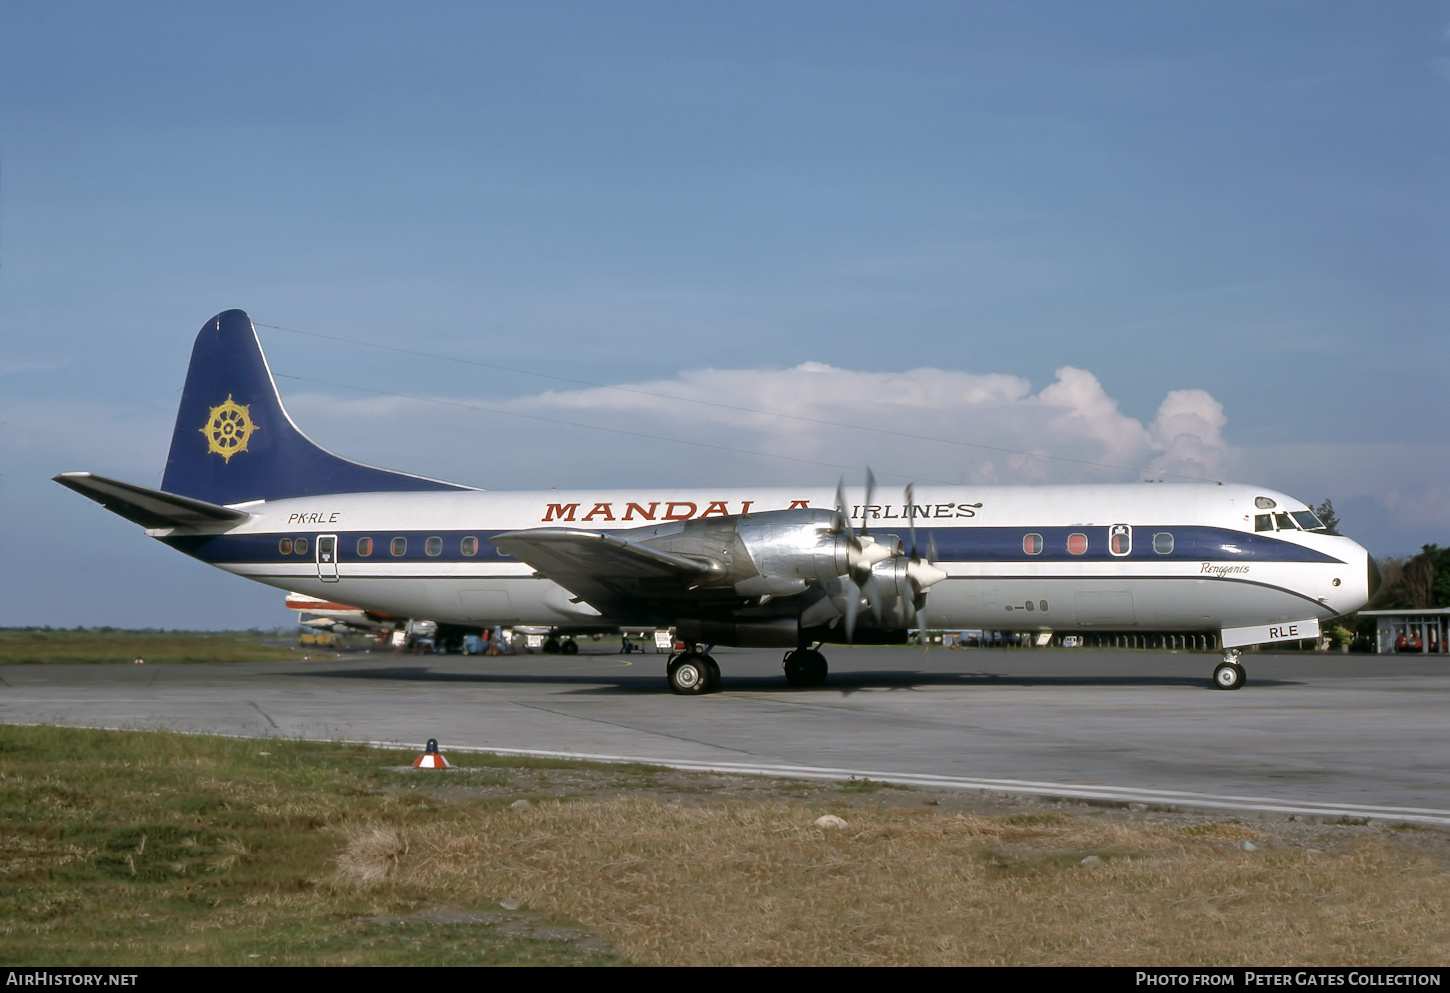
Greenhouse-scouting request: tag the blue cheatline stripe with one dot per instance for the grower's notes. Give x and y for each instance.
(1194, 543)
(953, 545)
(354, 580)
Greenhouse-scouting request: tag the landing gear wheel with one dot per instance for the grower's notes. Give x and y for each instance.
(713, 668)
(551, 646)
(689, 675)
(569, 647)
(805, 667)
(1228, 676)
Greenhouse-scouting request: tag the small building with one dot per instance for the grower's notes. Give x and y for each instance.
(1411, 630)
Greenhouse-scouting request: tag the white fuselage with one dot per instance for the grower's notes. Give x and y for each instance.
(1110, 557)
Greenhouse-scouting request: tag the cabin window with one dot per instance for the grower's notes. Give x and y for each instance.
(285, 546)
(433, 546)
(300, 546)
(1032, 544)
(364, 547)
(1041, 604)
(1285, 522)
(1163, 543)
(400, 546)
(1077, 543)
(1120, 539)
(469, 547)
(1263, 522)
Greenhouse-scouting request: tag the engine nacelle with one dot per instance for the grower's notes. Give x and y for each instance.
(792, 548)
(778, 632)
(778, 553)
(773, 553)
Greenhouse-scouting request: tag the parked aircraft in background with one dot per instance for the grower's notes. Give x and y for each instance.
(327, 615)
(401, 632)
(246, 491)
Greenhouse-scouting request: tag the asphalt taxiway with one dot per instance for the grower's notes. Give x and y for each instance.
(1334, 733)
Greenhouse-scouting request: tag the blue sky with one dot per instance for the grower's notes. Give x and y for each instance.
(833, 208)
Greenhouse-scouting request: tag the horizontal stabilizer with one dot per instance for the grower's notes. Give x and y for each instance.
(147, 507)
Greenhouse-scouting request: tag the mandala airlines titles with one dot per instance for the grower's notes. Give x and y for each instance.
(684, 510)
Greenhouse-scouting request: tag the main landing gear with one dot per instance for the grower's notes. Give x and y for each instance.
(1228, 674)
(693, 671)
(805, 667)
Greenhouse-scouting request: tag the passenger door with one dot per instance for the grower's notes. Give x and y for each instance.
(327, 558)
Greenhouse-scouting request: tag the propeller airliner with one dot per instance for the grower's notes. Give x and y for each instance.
(246, 491)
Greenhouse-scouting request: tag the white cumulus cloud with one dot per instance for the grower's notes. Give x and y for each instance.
(1188, 432)
(923, 423)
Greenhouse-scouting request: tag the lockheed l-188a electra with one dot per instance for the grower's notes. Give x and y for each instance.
(244, 490)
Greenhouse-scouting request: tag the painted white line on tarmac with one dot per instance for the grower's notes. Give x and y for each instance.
(1175, 799)
(1170, 799)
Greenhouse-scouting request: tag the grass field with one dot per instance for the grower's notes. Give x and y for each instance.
(159, 849)
(36, 646)
(148, 848)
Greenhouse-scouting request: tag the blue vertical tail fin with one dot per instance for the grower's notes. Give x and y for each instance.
(234, 441)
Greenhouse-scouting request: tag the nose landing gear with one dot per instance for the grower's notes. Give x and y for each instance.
(1229, 674)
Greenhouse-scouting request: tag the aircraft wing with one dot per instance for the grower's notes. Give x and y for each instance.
(603, 569)
(147, 507)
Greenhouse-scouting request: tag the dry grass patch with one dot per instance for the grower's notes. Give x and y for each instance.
(755, 883)
(372, 856)
(141, 848)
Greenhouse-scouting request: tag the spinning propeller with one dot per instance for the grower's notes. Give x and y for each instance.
(871, 563)
(920, 571)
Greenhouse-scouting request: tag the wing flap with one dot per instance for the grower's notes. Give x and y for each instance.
(147, 507)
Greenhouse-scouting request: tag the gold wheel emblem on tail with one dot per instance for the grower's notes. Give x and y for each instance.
(228, 427)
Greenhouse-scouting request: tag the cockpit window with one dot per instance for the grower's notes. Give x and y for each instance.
(1263, 522)
(1308, 521)
(1285, 522)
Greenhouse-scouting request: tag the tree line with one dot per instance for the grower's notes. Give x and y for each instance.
(1414, 583)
